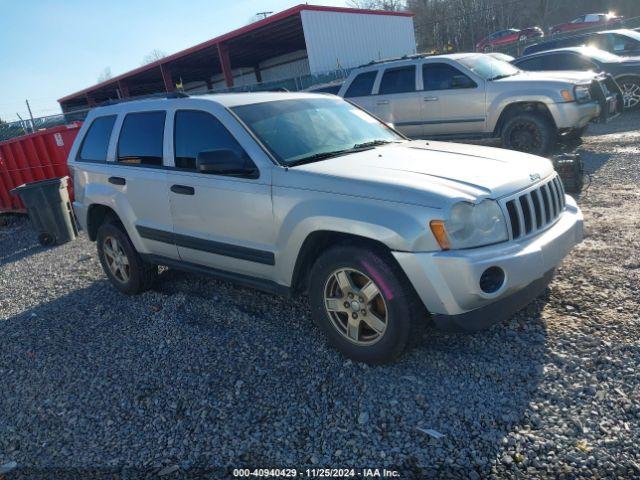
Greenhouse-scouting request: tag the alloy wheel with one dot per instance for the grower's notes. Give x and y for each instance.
(117, 260)
(355, 306)
(630, 94)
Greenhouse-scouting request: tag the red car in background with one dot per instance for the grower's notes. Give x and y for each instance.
(587, 21)
(506, 37)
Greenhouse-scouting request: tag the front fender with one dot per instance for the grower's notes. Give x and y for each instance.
(503, 100)
(400, 227)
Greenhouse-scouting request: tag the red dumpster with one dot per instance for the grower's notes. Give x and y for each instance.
(36, 156)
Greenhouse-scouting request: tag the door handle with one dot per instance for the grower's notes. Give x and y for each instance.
(382, 102)
(183, 190)
(117, 180)
(430, 99)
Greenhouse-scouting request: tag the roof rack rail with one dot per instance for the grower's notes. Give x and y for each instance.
(404, 57)
(149, 96)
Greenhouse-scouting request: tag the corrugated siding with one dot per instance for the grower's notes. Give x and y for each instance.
(290, 65)
(345, 40)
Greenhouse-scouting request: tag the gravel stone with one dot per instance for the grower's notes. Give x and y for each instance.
(199, 373)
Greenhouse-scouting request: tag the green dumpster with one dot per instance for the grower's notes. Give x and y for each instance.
(49, 209)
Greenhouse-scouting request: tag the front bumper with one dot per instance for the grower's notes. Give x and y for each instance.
(572, 115)
(448, 283)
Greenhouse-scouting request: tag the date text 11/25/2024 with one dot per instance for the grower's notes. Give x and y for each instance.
(316, 473)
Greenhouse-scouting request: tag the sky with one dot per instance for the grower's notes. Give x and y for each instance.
(51, 48)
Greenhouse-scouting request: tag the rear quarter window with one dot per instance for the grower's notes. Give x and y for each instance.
(96, 142)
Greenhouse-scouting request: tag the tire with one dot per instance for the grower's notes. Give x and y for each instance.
(138, 275)
(486, 49)
(46, 239)
(523, 38)
(529, 132)
(630, 87)
(395, 303)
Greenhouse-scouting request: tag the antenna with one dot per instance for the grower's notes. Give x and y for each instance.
(264, 14)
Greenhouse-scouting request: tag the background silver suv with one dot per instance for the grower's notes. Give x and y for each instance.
(308, 193)
(474, 94)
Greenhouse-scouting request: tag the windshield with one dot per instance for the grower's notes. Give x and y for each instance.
(309, 129)
(488, 67)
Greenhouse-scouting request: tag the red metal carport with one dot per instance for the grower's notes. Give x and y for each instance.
(245, 47)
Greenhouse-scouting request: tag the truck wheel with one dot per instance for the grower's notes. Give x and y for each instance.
(630, 87)
(530, 133)
(121, 262)
(363, 302)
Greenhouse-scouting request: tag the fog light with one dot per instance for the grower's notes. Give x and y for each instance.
(492, 280)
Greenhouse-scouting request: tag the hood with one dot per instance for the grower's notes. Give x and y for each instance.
(420, 172)
(551, 76)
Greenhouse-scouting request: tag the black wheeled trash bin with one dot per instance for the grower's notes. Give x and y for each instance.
(49, 209)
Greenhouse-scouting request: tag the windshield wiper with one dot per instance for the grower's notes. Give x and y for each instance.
(358, 147)
(372, 143)
(504, 75)
(317, 156)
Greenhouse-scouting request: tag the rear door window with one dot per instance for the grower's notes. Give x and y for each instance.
(197, 131)
(398, 80)
(141, 139)
(96, 142)
(362, 85)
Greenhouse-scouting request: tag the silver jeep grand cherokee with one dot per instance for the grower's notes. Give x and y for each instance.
(294, 193)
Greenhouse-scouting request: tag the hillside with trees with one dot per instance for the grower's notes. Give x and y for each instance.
(462, 23)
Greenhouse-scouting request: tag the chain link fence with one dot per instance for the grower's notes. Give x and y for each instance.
(9, 130)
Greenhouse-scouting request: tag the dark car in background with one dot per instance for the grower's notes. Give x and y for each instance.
(589, 20)
(625, 70)
(621, 42)
(507, 37)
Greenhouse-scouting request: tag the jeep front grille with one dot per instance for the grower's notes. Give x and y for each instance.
(536, 209)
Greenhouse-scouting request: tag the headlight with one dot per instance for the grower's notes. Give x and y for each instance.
(582, 93)
(471, 226)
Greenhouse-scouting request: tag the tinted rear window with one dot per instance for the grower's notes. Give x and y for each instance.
(96, 141)
(398, 80)
(361, 85)
(141, 138)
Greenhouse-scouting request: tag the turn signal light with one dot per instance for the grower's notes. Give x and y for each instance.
(437, 227)
(566, 94)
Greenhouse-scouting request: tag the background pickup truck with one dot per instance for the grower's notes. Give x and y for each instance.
(474, 94)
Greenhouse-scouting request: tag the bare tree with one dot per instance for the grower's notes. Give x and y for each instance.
(153, 56)
(105, 75)
(388, 5)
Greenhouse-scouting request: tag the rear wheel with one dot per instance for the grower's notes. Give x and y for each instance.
(121, 262)
(530, 133)
(523, 38)
(630, 87)
(486, 49)
(363, 302)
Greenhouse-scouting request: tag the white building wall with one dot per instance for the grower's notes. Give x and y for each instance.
(345, 40)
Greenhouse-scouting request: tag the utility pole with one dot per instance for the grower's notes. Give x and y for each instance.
(264, 14)
(33, 125)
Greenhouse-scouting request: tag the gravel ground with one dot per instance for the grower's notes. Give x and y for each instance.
(199, 373)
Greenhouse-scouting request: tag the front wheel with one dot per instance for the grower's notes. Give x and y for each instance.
(363, 302)
(530, 133)
(121, 262)
(630, 87)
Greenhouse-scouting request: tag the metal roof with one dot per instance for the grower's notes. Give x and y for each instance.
(283, 32)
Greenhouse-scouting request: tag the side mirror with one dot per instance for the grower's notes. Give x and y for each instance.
(224, 161)
(462, 81)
